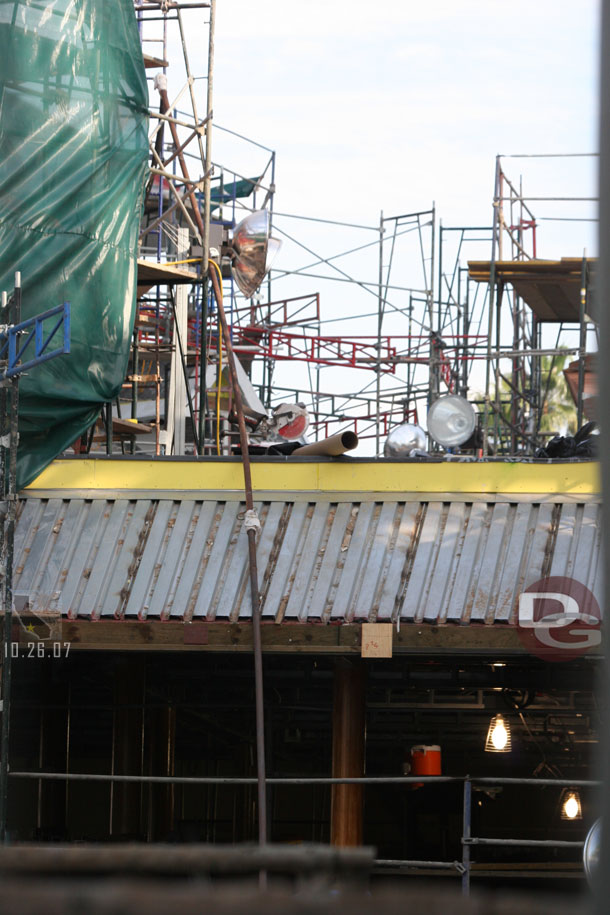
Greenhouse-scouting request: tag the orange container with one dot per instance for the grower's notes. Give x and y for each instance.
(425, 760)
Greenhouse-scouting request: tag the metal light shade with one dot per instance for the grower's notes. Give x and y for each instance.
(254, 251)
(498, 736)
(404, 439)
(451, 420)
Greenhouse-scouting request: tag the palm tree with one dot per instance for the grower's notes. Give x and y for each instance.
(558, 413)
(557, 410)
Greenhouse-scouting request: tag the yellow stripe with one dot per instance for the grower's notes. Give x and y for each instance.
(167, 474)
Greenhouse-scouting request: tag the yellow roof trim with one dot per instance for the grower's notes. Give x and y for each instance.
(575, 479)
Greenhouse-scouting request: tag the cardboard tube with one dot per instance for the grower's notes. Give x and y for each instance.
(331, 447)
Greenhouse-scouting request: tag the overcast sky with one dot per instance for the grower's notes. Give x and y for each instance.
(395, 103)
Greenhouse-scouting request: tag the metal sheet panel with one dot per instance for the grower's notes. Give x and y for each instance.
(431, 562)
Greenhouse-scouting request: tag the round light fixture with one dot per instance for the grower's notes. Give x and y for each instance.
(254, 251)
(451, 420)
(591, 851)
(404, 439)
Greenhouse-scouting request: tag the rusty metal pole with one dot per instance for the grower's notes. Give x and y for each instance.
(183, 166)
(348, 752)
(256, 619)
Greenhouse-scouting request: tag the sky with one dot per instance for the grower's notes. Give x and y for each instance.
(393, 104)
(392, 107)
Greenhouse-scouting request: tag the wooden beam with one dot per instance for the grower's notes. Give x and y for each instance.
(309, 638)
(151, 62)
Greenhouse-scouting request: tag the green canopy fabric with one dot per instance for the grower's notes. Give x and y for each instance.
(74, 150)
(242, 188)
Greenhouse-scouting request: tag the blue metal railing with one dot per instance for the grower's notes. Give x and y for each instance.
(33, 339)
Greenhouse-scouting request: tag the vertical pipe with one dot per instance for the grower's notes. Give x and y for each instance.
(582, 348)
(180, 380)
(498, 400)
(6, 634)
(10, 495)
(602, 894)
(256, 613)
(207, 177)
(434, 370)
(409, 364)
(157, 381)
(203, 366)
(536, 376)
(439, 326)
(379, 325)
(268, 362)
(515, 413)
(135, 367)
(500, 210)
(466, 335)
(349, 706)
(518, 410)
(432, 256)
(466, 834)
(459, 331)
(108, 424)
(490, 305)
(208, 142)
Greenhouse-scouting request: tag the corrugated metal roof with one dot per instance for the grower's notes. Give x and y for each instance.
(418, 561)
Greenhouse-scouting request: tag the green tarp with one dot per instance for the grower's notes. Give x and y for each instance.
(73, 158)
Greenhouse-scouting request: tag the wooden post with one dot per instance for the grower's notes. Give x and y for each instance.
(349, 707)
(129, 681)
(52, 753)
(163, 749)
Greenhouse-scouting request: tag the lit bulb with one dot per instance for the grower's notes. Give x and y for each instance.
(499, 735)
(570, 805)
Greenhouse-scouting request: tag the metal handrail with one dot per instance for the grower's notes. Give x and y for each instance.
(463, 867)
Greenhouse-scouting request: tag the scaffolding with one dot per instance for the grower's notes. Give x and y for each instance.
(366, 335)
(433, 336)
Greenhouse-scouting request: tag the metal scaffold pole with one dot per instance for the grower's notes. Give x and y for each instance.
(207, 176)
(379, 325)
(492, 292)
(9, 412)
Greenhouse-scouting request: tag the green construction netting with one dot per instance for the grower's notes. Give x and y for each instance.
(73, 148)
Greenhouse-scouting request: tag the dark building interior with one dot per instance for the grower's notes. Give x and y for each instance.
(191, 715)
